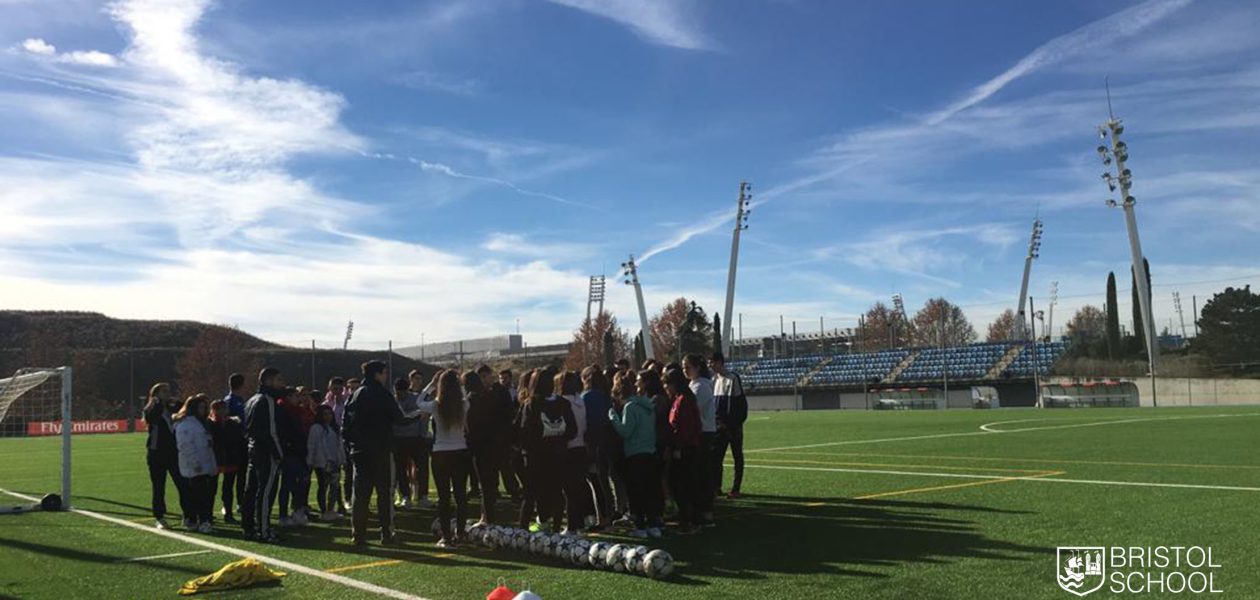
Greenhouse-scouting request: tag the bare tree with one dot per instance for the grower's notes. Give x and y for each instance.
(590, 339)
(217, 353)
(884, 328)
(1002, 329)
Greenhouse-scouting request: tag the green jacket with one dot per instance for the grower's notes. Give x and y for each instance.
(636, 425)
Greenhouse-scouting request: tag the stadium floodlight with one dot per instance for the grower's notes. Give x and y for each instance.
(631, 273)
(742, 205)
(1110, 132)
(1034, 252)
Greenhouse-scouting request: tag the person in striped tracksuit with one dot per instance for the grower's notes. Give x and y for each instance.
(265, 455)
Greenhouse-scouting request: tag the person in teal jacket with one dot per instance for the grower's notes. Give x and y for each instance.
(636, 425)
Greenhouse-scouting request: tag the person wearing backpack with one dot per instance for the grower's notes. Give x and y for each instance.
(545, 424)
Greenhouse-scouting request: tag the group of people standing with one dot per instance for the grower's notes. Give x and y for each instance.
(575, 451)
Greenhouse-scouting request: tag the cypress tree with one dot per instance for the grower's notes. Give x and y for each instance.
(1113, 318)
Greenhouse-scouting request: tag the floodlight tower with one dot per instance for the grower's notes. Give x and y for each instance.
(741, 223)
(1111, 149)
(631, 272)
(1054, 299)
(349, 331)
(899, 308)
(1180, 316)
(1034, 250)
(595, 294)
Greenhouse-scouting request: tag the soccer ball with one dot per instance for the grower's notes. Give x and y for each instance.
(520, 540)
(634, 559)
(597, 554)
(538, 543)
(563, 547)
(615, 560)
(579, 552)
(476, 534)
(658, 564)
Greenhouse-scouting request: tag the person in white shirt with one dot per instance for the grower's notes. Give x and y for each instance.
(577, 460)
(451, 461)
(701, 385)
(197, 464)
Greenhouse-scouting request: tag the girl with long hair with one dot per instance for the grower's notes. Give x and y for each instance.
(450, 453)
(544, 427)
(636, 424)
(684, 424)
(231, 452)
(197, 464)
(162, 455)
(577, 459)
(484, 433)
(602, 444)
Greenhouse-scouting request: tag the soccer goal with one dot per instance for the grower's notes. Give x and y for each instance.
(36, 402)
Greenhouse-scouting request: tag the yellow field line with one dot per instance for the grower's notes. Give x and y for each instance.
(954, 486)
(1035, 460)
(379, 563)
(863, 464)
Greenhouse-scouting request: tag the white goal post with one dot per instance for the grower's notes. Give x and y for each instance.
(37, 402)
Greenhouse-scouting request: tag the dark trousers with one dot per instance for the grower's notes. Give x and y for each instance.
(450, 473)
(158, 471)
(486, 461)
(373, 471)
(295, 484)
(577, 492)
(200, 491)
(347, 481)
(734, 439)
(512, 470)
(543, 487)
(410, 451)
(260, 494)
(684, 476)
(328, 489)
(706, 487)
(233, 489)
(600, 484)
(643, 475)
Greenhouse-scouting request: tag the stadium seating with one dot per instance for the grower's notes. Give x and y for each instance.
(973, 362)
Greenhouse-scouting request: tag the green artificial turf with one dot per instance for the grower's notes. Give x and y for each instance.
(837, 505)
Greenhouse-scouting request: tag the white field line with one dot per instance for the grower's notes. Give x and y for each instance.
(282, 564)
(989, 426)
(1012, 478)
(987, 429)
(161, 556)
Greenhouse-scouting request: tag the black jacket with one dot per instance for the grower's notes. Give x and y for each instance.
(368, 423)
(161, 438)
(733, 411)
(229, 442)
(261, 414)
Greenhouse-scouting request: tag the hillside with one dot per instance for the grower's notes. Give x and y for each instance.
(116, 360)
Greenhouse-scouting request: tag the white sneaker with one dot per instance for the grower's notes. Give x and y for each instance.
(161, 524)
(404, 503)
(205, 527)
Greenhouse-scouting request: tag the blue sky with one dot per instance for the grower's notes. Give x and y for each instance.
(450, 167)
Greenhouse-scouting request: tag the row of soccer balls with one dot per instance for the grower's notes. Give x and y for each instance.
(621, 558)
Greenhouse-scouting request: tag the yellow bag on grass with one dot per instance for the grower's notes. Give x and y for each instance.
(239, 574)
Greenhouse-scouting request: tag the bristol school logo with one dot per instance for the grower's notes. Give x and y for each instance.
(1080, 569)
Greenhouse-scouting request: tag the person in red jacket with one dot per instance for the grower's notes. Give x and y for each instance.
(684, 447)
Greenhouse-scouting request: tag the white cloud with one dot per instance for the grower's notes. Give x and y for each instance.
(661, 22)
(429, 80)
(1090, 39)
(91, 58)
(38, 46)
(94, 58)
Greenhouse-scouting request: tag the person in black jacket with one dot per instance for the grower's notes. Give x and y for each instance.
(490, 413)
(368, 429)
(544, 426)
(732, 411)
(230, 452)
(161, 453)
(264, 456)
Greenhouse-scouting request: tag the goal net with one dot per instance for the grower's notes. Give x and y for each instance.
(35, 403)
